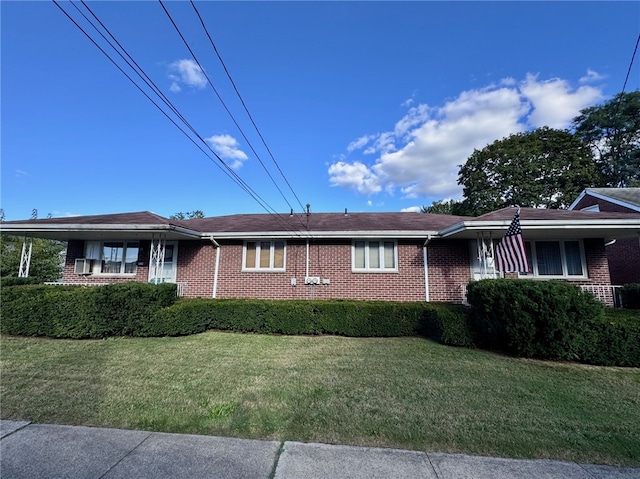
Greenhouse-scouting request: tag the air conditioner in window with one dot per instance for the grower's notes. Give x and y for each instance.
(82, 266)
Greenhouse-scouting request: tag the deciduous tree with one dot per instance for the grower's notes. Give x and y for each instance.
(46, 258)
(612, 130)
(540, 168)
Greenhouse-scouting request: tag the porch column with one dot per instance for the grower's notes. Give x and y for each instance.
(157, 257)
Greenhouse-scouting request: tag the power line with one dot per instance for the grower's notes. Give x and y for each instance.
(227, 170)
(631, 64)
(220, 98)
(224, 66)
(195, 58)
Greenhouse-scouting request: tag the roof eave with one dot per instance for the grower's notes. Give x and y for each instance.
(304, 235)
(596, 227)
(67, 231)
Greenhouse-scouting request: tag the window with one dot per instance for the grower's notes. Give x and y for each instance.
(374, 255)
(562, 259)
(112, 257)
(264, 255)
(547, 259)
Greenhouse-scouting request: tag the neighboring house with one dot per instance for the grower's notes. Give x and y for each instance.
(624, 253)
(375, 256)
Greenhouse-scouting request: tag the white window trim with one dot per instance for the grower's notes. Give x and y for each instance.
(563, 259)
(97, 262)
(271, 268)
(368, 269)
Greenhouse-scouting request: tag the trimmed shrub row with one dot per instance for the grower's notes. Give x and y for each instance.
(445, 323)
(82, 312)
(545, 320)
(631, 296)
(138, 309)
(552, 320)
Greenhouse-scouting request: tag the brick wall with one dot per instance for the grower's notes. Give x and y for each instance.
(196, 267)
(624, 254)
(448, 260)
(327, 260)
(449, 269)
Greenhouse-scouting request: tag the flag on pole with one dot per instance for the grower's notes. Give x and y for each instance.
(510, 253)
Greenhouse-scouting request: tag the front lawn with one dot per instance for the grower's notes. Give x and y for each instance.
(406, 393)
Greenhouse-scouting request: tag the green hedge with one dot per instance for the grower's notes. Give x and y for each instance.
(6, 281)
(552, 320)
(445, 323)
(614, 339)
(138, 309)
(631, 296)
(82, 312)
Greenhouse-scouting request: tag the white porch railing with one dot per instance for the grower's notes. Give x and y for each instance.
(605, 293)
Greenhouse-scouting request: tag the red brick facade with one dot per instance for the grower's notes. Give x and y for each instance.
(329, 261)
(448, 271)
(624, 254)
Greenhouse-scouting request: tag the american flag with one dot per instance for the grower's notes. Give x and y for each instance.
(510, 253)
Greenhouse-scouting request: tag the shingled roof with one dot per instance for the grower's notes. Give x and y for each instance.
(324, 222)
(536, 223)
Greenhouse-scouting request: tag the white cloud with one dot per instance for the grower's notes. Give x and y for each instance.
(422, 154)
(227, 147)
(591, 76)
(554, 104)
(360, 142)
(411, 209)
(355, 176)
(186, 72)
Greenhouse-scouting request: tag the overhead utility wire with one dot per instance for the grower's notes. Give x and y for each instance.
(224, 66)
(158, 92)
(232, 175)
(224, 104)
(631, 64)
(245, 187)
(220, 98)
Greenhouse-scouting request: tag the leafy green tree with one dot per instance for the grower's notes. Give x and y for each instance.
(540, 168)
(187, 215)
(46, 258)
(612, 130)
(441, 207)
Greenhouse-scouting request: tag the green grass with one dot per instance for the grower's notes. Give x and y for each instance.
(406, 393)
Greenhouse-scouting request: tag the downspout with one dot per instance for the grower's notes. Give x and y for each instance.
(426, 269)
(307, 270)
(215, 273)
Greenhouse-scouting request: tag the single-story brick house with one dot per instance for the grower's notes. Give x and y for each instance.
(381, 256)
(624, 253)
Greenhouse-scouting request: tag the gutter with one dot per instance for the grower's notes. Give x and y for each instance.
(426, 268)
(215, 273)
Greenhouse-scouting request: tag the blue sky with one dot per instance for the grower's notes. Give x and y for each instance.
(369, 106)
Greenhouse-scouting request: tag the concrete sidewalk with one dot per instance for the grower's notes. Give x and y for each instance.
(33, 451)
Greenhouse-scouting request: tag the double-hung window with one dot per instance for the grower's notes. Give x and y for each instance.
(557, 259)
(112, 257)
(374, 256)
(264, 256)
